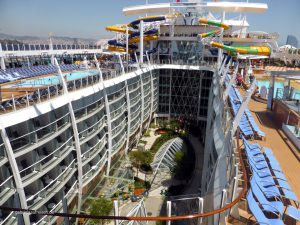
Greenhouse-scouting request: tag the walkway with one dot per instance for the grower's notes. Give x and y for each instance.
(279, 143)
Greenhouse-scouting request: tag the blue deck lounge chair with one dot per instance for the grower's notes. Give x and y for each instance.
(259, 214)
(272, 206)
(293, 212)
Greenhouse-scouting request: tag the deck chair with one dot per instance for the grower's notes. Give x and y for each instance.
(293, 212)
(259, 214)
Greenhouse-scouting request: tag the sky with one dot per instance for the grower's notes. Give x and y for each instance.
(88, 18)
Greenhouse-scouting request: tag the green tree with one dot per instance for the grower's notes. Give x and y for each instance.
(100, 207)
(174, 125)
(138, 158)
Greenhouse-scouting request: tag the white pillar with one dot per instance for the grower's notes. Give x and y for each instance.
(223, 203)
(121, 64)
(151, 91)
(127, 50)
(76, 137)
(28, 62)
(107, 116)
(2, 63)
(128, 108)
(220, 51)
(169, 211)
(16, 172)
(143, 103)
(200, 208)
(271, 92)
(85, 63)
(226, 92)
(128, 116)
(141, 41)
(137, 60)
(116, 211)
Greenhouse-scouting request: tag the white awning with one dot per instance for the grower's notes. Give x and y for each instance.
(210, 6)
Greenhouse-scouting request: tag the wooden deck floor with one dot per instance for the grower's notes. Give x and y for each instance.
(285, 152)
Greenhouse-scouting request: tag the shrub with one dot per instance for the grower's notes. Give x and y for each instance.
(100, 207)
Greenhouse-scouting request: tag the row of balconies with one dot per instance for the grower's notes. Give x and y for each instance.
(117, 95)
(94, 150)
(116, 113)
(87, 115)
(135, 126)
(27, 142)
(135, 112)
(44, 165)
(94, 170)
(55, 186)
(117, 145)
(134, 86)
(88, 133)
(46, 220)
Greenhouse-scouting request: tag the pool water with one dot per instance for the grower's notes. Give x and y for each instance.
(53, 80)
(279, 85)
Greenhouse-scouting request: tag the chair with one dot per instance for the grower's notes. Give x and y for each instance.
(272, 206)
(259, 214)
(293, 212)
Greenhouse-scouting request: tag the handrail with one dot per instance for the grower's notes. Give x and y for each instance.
(41, 128)
(52, 153)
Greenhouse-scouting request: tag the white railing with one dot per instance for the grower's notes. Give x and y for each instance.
(46, 158)
(39, 129)
(61, 175)
(91, 149)
(83, 133)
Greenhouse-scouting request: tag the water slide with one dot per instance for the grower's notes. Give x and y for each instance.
(150, 35)
(212, 23)
(148, 32)
(251, 50)
(119, 29)
(119, 44)
(134, 24)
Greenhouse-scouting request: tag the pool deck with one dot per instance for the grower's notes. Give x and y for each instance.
(283, 149)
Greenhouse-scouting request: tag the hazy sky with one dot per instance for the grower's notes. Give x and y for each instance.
(87, 18)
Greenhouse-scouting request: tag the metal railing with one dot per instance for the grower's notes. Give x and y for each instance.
(45, 47)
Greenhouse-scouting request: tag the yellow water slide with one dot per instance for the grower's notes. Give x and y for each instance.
(119, 29)
(251, 50)
(212, 23)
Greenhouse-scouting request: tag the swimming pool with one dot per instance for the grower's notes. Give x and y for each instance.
(52, 80)
(279, 85)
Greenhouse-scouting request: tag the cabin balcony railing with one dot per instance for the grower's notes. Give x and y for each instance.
(89, 110)
(116, 97)
(94, 149)
(6, 189)
(133, 87)
(89, 175)
(45, 220)
(44, 165)
(135, 113)
(91, 129)
(53, 187)
(135, 127)
(118, 112)
(118, 145)
(3, 156)
(39, 134)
